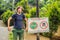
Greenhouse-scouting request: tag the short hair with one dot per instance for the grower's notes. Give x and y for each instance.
(19, 7)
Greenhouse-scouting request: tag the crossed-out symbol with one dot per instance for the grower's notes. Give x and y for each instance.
(43, 25)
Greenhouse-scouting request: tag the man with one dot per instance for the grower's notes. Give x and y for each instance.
(18, 24)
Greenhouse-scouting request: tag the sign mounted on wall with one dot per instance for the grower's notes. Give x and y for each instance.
(38, 25)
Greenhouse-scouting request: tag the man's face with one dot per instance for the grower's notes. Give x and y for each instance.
(20, 10)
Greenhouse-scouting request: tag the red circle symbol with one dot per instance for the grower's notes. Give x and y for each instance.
(43, 24)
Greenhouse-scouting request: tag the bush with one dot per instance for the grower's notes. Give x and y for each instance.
(10, 37)
(28, 15)
(44, 12)
(24, 4)
(5, 16)
(52, 11)
(32, 2)
(33, 12)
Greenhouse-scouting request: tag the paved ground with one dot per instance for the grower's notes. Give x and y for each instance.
(4, 34)
(33, 37)
(3, 31)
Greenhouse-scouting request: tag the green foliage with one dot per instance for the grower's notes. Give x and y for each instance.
(28, 15)
(32, 2)
(51, 11)
(6, 15)
(32, 11)
(10, 36)
(5, 5)
(47, 8)
(47, 34)
(44, 12)
(54, 16)
(24, 4)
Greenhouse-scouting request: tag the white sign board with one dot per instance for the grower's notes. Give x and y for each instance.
(38, 25)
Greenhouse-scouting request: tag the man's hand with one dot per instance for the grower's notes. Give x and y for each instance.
(26, 24)
(9, 28)
(26, 29)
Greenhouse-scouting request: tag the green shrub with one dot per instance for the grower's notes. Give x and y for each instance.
(52, 11)
(5, 16)
(10, 37)
(32, 2)
(44, 12)
(28, 15)
(24, 4)
(32, 11)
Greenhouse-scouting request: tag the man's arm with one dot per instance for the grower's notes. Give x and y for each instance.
(9, 23)
(26, 24)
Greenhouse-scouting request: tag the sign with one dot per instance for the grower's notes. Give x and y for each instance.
(33, 25)
(38, 25)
